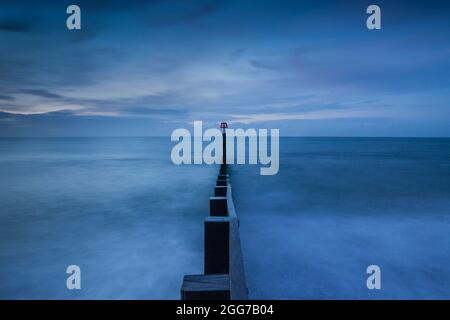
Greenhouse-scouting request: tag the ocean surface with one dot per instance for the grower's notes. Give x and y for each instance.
(133, 221)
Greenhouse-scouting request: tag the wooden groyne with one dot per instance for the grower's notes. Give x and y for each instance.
(224, 276)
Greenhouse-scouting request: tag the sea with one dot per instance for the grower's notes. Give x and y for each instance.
(133, 221)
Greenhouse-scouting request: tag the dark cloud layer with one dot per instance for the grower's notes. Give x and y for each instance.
(7, 98)
(14, 26)
(256, 63)
(41, 93)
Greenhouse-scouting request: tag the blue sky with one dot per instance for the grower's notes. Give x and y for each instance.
(309, 68)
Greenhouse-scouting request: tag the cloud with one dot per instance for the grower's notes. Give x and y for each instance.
(6, 115)
(234, 56)
(41, 93)
(312, 115)
(170, 13)
(14, 26)
(154, 111)
(269, 65)
(6, 97)
(66, 124)
(169, 61)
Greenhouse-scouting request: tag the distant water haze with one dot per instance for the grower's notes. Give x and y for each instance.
(133, 221)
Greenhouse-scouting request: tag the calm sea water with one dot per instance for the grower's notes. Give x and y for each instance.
(118, 208)
(133, 222)
(340, 205)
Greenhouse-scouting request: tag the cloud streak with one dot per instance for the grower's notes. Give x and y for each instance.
(271, 62)
(14, 26)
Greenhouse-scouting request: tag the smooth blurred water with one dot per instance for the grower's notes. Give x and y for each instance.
(340, 205)
(118, 208)
(133, 221)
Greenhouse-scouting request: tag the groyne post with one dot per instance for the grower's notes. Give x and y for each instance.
(218, 206)
(224, 276)
(217, 245)
(220, 191)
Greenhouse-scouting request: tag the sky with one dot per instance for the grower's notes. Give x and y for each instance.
(144, 68)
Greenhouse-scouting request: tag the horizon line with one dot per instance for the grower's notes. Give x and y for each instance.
(168, 136)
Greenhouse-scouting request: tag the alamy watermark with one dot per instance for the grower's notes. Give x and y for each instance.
(73, 21)
(374, 20)
(374, 280)
(73, 281)
(258, 145)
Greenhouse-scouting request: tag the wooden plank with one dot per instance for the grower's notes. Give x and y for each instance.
(224, 276)
(206, 287)
(217, 245)
(238, 281)
(221, 182)
(218, 206)
(220, 191)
